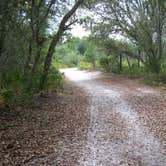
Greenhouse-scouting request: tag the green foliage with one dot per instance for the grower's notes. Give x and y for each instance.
(109, 63)
(55, 79)
(67, 55)
(25, 40)
(7, 95)
(60, 65)
(90, 54)
(76, 52)
(155, 79)
(82, 47)
(72, 59)
(134, 70)
(105, 63)
(24, 43)
(153, 65)
(139, 32)
(13, 86)
(85, 65)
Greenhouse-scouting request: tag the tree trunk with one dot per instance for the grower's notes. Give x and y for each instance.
(120, 62)
(128, 62)
(28, 61)
(35, 65)
(48, 59)
(138, 63)
(159, 30)
(139, 58)
(54, 42)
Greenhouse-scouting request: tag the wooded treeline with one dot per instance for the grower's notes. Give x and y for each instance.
(29, 33)
(31, 30)
(142, 23)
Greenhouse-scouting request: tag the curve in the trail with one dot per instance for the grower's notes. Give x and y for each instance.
(116, 136)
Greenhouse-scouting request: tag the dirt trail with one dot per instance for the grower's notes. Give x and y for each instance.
(116, 135)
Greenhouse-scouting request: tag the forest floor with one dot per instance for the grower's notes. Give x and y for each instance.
(54, 127)
(99, 120)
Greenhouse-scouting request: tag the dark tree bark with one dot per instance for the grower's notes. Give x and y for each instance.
(54, 42)
(3, 21)
(36, 27)
(28, 58)
(159, 32)
(31, 41)
(120, 62)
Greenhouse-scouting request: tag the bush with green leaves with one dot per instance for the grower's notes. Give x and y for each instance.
(105, 63)
(134, 70)
(55, 79)
(82, 47)
(90, 54)
(14, 85)
(85, 65)
(72, 59)
(69, 54)
(7, 96)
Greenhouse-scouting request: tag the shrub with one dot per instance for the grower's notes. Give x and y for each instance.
(85, 65)
(60, 65)
(134, 71)
(7, 95)
(55, 79)
(151, 79)
(105, 63)
(162, 77)
(71, 59)
(14, 85)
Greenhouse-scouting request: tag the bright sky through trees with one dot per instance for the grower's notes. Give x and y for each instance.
(78, 31)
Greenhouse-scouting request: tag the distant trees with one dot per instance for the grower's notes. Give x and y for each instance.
(90, 54)
(68, 54)
(76, 52)
(137, 21)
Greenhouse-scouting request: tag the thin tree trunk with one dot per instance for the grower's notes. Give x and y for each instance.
(32, 37)
(139, 59)
(138, 63)
(159, 31)
(35, 65)
(128, 62)
(48, 59)
(35, 39)
(29, 58)
(120, 62)
(2, 41)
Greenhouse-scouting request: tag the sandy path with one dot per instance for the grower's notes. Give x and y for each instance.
(116, 136)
